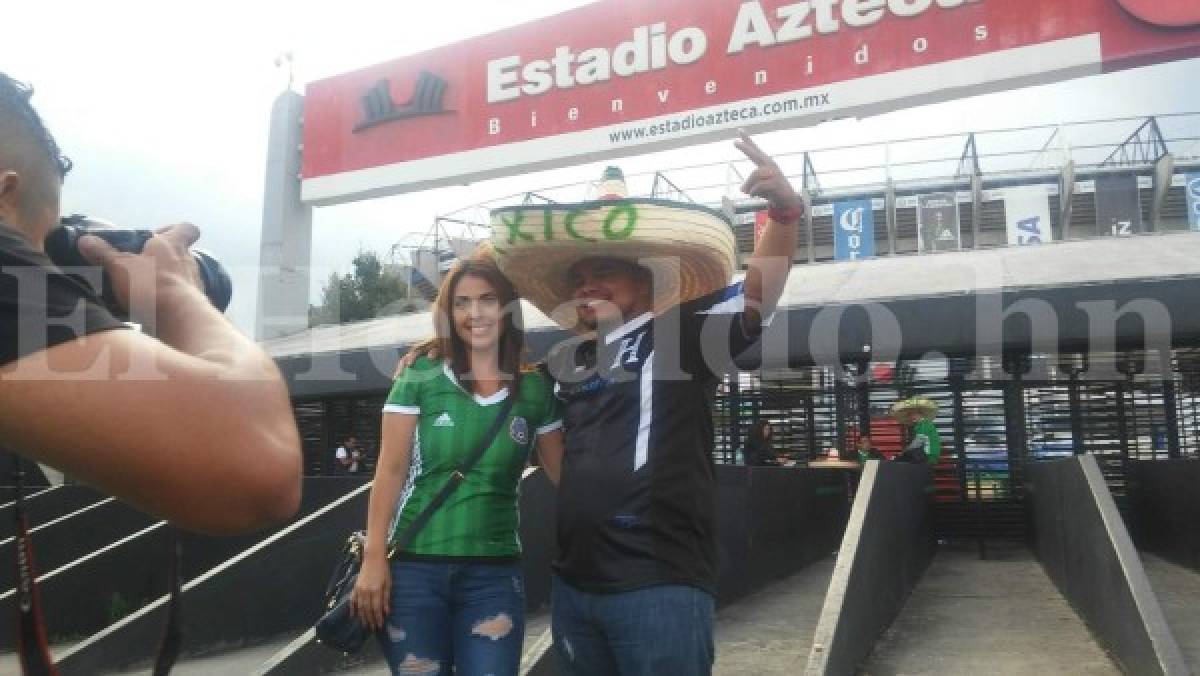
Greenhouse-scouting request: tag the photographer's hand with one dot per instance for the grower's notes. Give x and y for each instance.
(167, 424)
(165, 265)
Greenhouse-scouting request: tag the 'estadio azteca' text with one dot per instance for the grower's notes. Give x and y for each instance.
(653, 47)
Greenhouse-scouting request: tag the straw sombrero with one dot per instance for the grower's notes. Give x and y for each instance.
(690, 249)
(922, 405)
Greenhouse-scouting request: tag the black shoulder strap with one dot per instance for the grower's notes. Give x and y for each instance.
(172, 640)
(32, 650)
(406, 538)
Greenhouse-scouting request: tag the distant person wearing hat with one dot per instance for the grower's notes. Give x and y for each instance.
(917, 414)
(645, 285)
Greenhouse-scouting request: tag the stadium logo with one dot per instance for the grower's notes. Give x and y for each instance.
(1166, 13)
(379, 108)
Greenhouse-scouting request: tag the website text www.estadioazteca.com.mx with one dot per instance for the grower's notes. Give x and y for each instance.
(684, 123)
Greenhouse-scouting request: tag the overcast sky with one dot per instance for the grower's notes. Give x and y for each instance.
(164, 108)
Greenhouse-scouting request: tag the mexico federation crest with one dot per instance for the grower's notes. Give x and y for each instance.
(518, 429)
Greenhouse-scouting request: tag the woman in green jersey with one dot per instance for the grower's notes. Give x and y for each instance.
(452, 601)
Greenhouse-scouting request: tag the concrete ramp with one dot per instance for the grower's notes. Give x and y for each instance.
(999, 615)
(770, 632)
(886, 548)
(1166, 528)
(1081, 540)
(1178, 590)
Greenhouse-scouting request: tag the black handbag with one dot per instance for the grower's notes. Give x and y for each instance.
(338, 627)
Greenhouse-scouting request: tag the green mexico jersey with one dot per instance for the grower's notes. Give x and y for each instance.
(480, 518)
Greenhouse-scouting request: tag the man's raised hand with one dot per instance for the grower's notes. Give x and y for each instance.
(767, 180)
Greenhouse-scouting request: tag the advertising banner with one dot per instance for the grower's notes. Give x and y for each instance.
(1192, 181)
(619, 77)
(853, 230)
(1117, 209)
(1027, 212)
(937, 223)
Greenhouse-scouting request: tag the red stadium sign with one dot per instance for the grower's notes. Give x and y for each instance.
(620, 77)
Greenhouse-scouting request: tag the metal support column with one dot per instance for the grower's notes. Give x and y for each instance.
(839, 409)
(976, 208)
(864, 399)
(889, 200)
(1066, 195)
(1075, 410)
(1122, 390)
(809, 240)
(1014, 404)
(810, 425)
(957, 388)
(1171, 414)
(1164, 170)
(735, 409)
(327, 439)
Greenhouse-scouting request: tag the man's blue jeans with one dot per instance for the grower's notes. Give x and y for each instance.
(665, 629)
(466, 619)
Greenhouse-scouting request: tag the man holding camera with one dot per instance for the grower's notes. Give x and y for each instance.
(161, 422)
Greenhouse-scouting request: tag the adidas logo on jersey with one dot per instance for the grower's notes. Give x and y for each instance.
(443, 420)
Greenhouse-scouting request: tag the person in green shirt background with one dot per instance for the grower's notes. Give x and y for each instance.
(866, 449)
(917, 413)
(452, 601)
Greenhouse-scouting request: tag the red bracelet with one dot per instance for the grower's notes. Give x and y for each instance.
(786, 215)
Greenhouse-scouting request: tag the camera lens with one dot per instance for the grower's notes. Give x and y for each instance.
(62, 246)
(217, 285)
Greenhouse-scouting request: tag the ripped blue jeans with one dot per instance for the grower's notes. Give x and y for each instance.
(462, 618)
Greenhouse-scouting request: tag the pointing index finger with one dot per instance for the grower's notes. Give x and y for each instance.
(751, 149)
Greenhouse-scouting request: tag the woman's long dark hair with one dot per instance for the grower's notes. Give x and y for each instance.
(446, 341)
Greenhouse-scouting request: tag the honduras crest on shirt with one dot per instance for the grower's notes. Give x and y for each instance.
(518, 429)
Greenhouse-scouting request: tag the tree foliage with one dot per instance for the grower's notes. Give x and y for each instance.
(367, 292)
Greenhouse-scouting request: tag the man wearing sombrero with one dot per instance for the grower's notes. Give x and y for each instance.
(646, 286)
(917, 413)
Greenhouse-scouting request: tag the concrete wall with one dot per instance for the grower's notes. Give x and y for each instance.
(886, 549)
(1081, 540)
(1166, 509)
(773, 521)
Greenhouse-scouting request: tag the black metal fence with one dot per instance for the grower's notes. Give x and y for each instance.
(994, 417)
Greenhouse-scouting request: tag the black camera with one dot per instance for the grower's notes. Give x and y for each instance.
(62, 246)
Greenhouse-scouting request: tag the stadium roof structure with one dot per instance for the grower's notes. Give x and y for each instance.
(940, 302)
